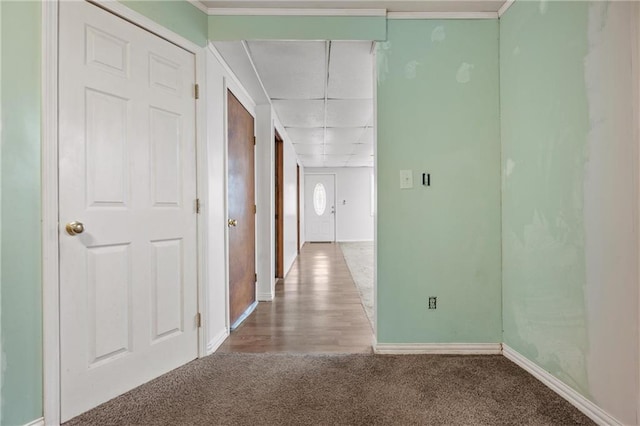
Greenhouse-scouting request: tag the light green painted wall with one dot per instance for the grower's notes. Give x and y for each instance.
(545, 121)
(21, 233)
(180, 17)
(438, 112)
(569, 195)
(223, 28)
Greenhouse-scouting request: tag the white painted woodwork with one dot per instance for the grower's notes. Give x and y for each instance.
(391, 5)
(290, 204)
(265, 201)
(128, 284)
(319, 227)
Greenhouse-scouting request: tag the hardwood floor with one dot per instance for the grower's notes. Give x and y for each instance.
(316, 309)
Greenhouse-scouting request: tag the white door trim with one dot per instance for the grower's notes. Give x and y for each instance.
(50, 253)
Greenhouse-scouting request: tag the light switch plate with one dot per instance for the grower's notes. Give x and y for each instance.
(406, 179)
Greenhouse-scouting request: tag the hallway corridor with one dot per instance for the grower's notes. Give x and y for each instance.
(317, 309)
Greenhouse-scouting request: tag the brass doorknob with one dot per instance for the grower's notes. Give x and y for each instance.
(233, 222)
(75, 228)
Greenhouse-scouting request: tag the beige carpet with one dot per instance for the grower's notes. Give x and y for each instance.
(272, 389)
(359, 258)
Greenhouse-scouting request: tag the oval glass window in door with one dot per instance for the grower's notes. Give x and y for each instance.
(319, 199)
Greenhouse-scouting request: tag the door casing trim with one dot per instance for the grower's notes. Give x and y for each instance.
(50, 189)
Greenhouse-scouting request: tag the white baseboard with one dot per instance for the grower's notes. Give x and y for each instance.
(438, 348)
(265, 297)
(36, 422)
(215, 343)
(354, 241)
(590, 409)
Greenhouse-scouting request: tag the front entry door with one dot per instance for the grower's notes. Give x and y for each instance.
(241, 210)
(319, 208)
(128, 273)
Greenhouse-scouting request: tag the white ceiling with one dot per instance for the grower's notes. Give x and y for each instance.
(389, 5)
(322, 93)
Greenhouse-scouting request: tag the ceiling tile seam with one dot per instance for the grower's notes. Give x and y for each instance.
(358, 142)
(247, 50)
(326, 95)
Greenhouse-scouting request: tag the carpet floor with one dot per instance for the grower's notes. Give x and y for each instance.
(279, 389)
(359, 258)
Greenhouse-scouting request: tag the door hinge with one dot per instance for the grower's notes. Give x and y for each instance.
(198, 205)
(197, 91)
(198, 320)
(254, 141)
(255, 278)
(255, 209)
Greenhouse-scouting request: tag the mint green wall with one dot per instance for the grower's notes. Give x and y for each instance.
(569, 195)
(21, 233)
(545, 121)
(223, 28)
(438, 112)
(181, 17)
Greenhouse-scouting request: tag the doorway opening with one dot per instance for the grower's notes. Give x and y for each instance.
(321, 97)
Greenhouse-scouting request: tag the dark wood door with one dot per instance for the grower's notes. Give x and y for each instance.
(241, 209)
(298, 205)
(279, 201)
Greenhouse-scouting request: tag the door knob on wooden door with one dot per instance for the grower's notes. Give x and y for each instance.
(232, 222)
(75, 228)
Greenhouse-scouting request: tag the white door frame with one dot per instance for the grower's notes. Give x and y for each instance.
(50, 189)
(335, 199)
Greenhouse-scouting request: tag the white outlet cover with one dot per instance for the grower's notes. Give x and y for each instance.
(406, 179)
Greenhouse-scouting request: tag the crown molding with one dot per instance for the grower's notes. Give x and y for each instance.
(226, 11)
(199, 5)
(442, 15)
(505, 6)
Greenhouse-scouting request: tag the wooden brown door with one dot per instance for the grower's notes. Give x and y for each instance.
(241, 209)
(279, 179)
(298, 205)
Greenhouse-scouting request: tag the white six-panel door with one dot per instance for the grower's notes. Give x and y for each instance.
(319, 207)
(128, 283)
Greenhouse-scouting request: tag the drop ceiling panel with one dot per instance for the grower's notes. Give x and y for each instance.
(363, 150)
(339, 149)
(344, 135)
(306, 149)
(335, 160)
(349, 113)
(306, 136)
(300, 113)
(311, 161)
(350, 70)
(291, 70)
